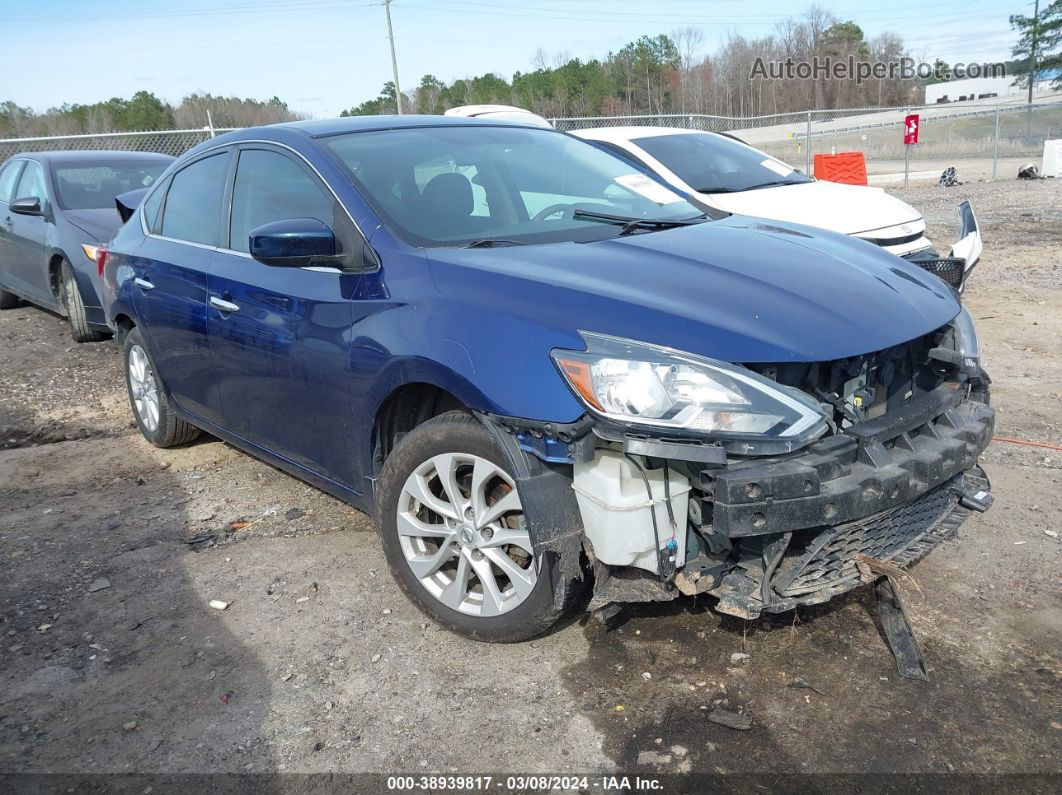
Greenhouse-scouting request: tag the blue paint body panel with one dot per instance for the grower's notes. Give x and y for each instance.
(299, 372)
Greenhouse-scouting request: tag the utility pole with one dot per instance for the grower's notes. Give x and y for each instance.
(1032, 54)
(394, 60)
(1032, 66)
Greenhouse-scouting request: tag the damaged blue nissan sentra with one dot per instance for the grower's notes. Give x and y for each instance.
(543, 371)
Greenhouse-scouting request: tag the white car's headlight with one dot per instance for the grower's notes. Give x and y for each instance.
(966, 343)
(641, 384)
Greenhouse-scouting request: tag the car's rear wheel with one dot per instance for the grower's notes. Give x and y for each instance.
(8, 300)
(154, 415)
(455, 535)
(80, 329)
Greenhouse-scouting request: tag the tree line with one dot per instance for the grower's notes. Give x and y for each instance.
(143, 111)
(671, 74)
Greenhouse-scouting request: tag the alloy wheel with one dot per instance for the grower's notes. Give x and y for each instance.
(463, 535)
(143, 388)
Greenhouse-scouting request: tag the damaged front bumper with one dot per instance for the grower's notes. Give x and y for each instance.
(770, 533)
(955, 268)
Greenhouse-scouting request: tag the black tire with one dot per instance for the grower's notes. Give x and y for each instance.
(461, 433)
(169, 430)
(8, 300)
(80, 330)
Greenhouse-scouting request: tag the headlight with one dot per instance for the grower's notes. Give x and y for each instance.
(642, 384)
(966, 342)
(90, 250)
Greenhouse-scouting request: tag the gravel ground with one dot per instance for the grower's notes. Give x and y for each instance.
(113, 661)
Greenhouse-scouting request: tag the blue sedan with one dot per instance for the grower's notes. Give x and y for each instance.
(56, 210)
(537, 366)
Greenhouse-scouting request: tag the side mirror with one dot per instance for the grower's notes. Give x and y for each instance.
(30, 206)
(294, 243)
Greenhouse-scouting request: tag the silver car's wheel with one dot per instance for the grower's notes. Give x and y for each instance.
(462, 532)
(143, 388)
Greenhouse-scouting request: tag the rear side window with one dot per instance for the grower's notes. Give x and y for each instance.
(8, 175)
(272, 187)
(152, 206)
(31, 183)
(193, 203)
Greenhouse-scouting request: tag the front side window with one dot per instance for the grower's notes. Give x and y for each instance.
(447, 186)
(192, 209)
(31, 183)
(272, 187)
(8, 175)
(715, 164)
(93, 186)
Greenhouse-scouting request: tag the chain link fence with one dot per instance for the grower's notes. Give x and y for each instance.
(167, 142)
(982, 140)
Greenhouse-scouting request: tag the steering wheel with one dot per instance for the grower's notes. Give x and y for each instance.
(566, 211)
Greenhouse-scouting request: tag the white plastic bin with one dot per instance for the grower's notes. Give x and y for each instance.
(617, 512)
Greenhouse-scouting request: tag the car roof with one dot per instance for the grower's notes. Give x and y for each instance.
(94, 155)
(319, 128)
(629, 133)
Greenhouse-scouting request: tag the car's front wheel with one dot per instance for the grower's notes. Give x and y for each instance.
(456, 538)
(154, 415)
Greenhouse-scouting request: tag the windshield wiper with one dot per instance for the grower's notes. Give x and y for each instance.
(492, 242)
(632, 224)
(774, 183)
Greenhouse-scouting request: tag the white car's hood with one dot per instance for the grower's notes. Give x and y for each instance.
(849, 209)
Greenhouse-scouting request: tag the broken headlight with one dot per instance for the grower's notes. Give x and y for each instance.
(641, 384)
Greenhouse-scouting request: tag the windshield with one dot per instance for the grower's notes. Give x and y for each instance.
(448, 186)
(93, 186)
(711, 163)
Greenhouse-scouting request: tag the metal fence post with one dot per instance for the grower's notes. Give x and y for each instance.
(995, 146)
(807, 147)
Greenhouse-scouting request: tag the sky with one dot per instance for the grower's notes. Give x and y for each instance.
(322, 56)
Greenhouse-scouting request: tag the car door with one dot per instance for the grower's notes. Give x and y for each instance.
(170, 281)
(9, 174)
(28, 237)
(280, 337)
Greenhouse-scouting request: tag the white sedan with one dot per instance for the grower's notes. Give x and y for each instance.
(723, 173)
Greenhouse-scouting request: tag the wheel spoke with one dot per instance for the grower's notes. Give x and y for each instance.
(482, 472)
(454, 594)
(510, 502)
(426, 566)
(492, 598)
(506, 536)
(523, 580)
(417, 488)
(410, 525)
(446, 468)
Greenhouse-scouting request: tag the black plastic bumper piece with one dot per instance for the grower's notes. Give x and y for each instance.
(872, 467)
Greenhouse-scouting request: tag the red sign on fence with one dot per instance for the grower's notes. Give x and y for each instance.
(910, 129)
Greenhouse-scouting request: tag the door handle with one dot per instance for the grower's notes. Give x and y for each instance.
(222, 305)
(143, 284)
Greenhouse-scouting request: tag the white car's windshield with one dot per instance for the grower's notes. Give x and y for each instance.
(715, 164)
(447, 186)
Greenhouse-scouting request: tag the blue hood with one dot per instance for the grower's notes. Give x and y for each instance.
(740, 290)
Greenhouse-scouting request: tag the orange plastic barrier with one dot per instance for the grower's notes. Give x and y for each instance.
(847, 167)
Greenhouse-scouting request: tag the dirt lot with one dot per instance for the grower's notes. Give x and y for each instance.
(319, 664)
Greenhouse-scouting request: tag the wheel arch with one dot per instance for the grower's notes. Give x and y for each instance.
(404, 408)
